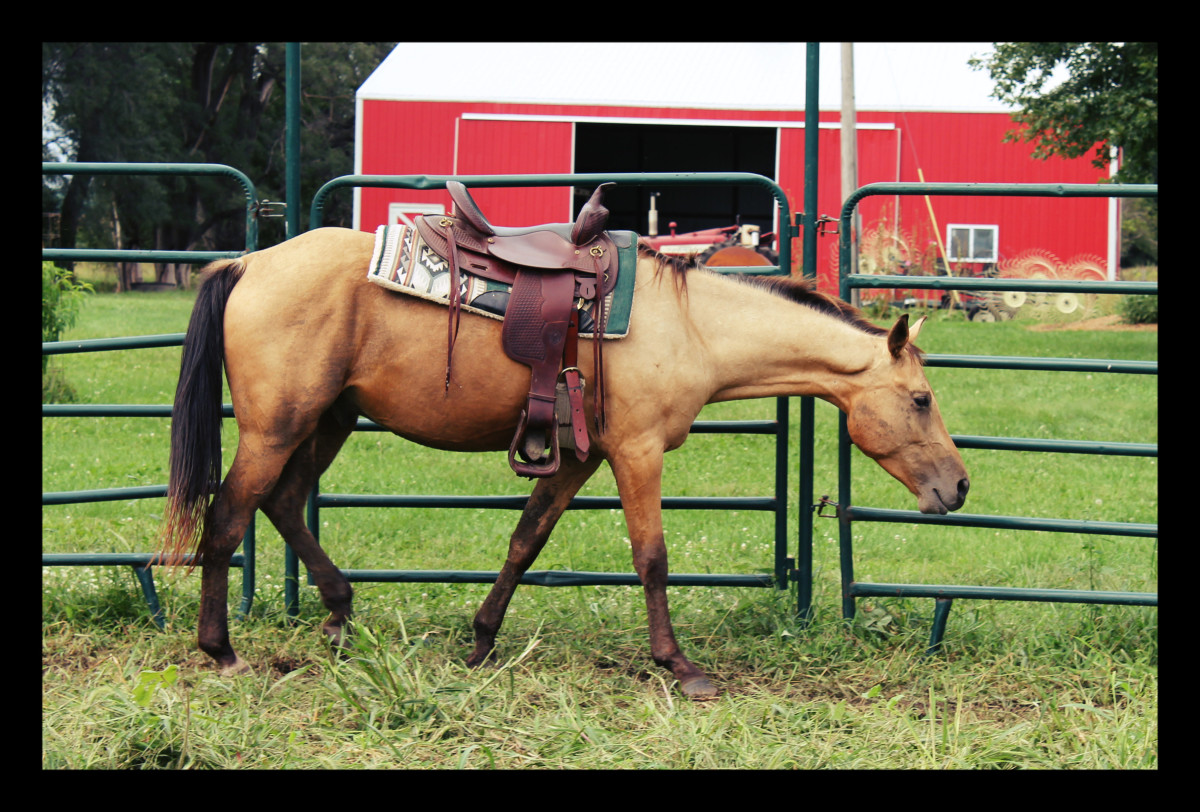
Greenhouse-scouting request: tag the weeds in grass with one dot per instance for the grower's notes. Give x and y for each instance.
(833, 695)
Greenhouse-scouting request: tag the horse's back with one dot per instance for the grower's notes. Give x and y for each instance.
(304, 326)
(308, 264)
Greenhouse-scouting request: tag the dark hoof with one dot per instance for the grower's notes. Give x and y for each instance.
(478, 659)
(340, 641)
(699, 689)
(337, 636)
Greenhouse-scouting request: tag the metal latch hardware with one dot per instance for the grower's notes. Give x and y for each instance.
(820, 506)
(271, 208)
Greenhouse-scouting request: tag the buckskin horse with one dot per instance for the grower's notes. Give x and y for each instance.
(309, 344)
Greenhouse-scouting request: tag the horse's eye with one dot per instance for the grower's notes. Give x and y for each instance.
(921, 400)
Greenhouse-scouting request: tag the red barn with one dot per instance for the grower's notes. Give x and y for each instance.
(512, 108)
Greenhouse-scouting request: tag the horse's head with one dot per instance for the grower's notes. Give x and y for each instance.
(894, 420)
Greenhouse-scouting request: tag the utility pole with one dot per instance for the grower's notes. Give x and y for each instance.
(849, 143)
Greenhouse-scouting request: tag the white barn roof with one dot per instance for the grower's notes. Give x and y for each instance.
(742, 76)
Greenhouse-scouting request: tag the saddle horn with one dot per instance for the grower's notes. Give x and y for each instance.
(466, 207)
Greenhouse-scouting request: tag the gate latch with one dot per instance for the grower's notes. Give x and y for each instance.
(826, 501)
(271, 208)
(825, 225)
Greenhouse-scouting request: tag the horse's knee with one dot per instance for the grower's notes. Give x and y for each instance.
(650, 562)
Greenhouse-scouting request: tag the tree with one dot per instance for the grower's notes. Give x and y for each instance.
(1109, 98)
(107, 104)
(193, 103)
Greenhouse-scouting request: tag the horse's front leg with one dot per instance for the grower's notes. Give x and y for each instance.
(639, 481)
(549, 499)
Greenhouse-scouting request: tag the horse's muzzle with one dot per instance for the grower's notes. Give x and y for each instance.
(959, 498)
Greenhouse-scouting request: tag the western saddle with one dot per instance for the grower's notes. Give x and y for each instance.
(550, 268)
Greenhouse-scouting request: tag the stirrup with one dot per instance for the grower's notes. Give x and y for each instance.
(546, 466)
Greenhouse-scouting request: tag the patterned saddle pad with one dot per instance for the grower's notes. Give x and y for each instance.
(403, 262)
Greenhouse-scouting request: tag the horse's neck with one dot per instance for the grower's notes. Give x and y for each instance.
(770, 346)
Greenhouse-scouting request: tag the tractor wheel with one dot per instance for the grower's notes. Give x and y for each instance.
(730, 256)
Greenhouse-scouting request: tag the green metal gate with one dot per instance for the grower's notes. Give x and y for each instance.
(786, 569)
(848, 512)
(139, 562)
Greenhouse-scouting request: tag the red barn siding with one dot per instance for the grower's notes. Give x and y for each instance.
(518, 148)
(968, 147)
(404, 138)
(440, 138)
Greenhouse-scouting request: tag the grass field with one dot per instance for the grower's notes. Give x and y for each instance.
(1017, 685)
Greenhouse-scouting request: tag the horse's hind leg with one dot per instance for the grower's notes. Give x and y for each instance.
(549, 499)
(277, 479)
(252, 474)
(285, 507)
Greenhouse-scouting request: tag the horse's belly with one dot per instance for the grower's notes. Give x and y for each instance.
(399, 379)
(455, 420)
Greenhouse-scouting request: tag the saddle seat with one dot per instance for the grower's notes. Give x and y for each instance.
(546, 247)
(550, 267)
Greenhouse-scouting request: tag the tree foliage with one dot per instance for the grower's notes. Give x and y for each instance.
(1110, 97)
(200, 102)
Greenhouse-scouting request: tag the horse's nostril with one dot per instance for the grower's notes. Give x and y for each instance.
(964, 485)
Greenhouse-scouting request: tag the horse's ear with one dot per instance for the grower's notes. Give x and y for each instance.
(898, 336)
(915, 330)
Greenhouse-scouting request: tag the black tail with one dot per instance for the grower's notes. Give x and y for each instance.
(196, 418)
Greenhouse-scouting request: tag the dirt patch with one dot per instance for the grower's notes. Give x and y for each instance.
(1112, 322)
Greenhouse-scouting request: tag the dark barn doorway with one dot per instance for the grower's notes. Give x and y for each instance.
(680, 148)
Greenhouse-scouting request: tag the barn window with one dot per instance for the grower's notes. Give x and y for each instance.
(972, 243)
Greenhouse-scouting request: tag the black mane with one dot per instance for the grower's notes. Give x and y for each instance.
(798, 289)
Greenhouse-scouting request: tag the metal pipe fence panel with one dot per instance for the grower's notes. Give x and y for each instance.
(847, 512)
(779, 427)
(139, 562)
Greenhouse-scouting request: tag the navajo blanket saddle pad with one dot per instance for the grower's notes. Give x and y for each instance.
(403, 262)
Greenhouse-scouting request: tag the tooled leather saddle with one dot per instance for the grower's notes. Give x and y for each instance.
(551, 268)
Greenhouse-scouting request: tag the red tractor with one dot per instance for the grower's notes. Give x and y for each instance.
(725, 247)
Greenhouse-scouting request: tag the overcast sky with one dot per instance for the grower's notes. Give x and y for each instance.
(909, 75)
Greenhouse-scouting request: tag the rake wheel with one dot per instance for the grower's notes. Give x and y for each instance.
(883, 252)
(1065, 302)
(1085, 266)
(1032, 264)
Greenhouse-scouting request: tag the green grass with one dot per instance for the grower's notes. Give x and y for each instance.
(1018, 685)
